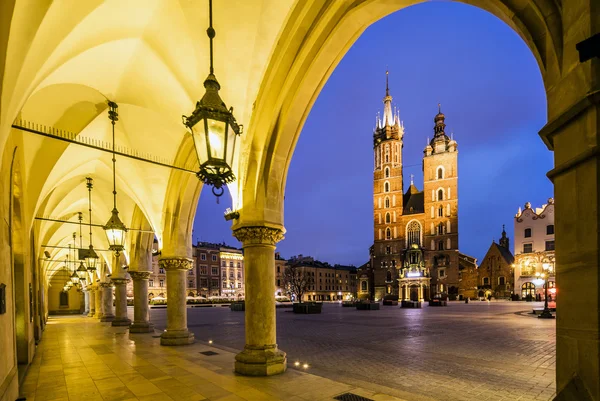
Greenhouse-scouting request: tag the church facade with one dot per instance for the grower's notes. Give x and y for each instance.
(415, 251)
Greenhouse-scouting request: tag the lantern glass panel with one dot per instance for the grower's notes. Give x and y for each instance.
(116, 237)
(200, 143)
(231, 138)
(216, 138)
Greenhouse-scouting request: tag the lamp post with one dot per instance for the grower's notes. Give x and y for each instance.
(546, 314)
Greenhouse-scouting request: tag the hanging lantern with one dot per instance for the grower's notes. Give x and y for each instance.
(81, 271)
(91, 257)
(114, 228)
(74, 278)
(115, 232)
(214, 130)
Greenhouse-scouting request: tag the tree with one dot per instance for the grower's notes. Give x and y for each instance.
(296, 281)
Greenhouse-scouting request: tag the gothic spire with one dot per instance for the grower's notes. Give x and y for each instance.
(388, 116)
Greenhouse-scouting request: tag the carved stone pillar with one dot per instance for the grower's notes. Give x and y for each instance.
(99, 298)
(177, 332)
(107, 303)
(121, 318)
(92, 301)
(260, 356)
(141, 317)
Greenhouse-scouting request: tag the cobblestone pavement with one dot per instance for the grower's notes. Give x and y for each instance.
(475, 351)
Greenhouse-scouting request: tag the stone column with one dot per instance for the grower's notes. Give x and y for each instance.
(260, 356)
(177, 332)
(141, 316)
(99, 297)
(92, 298)
(121, 318)
(575, 137)
(107, 302)
(86, 299)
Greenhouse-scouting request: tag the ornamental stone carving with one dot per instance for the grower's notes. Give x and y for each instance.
(258, 235)
(119, 281)
(176, 263)
(140, 275)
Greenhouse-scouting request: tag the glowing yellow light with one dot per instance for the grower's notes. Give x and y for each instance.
(215, 137)
(210, 341)
(305, 365)
(296, 363)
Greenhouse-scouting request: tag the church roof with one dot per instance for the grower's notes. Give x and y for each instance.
(414, 201)
(505, 253)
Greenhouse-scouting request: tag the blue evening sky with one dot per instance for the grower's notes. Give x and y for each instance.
(491, 91)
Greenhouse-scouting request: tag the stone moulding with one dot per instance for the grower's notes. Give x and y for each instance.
(137, 275)
(119, 281)
(176, 263)
(259, 235)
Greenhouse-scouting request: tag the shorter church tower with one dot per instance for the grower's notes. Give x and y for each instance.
(440, 175)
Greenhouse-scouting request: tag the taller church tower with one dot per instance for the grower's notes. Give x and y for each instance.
(387, 189)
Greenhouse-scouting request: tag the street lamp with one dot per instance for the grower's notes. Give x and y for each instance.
(546, 314)
(214, 130)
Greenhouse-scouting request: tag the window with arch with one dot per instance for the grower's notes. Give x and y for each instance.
(413, 233)
(389, 276)
(527, 289)
(387, 203)
(441, 229)
(440, 173)
(387, 172)
(388, 233)
(440, 246)
(440, 194)
(386, 187)
(501, 280)
(441, 211)
(387, 154)
(363, 286)
(388, 218)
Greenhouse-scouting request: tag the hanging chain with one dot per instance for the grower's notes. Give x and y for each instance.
(113, 116)
(211, 34)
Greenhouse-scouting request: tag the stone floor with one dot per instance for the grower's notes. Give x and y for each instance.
(475, 351)
(80, 358)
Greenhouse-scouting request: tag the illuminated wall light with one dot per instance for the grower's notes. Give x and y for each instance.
(296, 363)
(210, 341)
(305, 366)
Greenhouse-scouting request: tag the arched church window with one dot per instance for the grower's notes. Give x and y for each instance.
(440, 194)
(388, 218)
(387, 154)
(389, 276)
(440, 245)
(440, 173)
(363, 286)
(387, 203)
(388, 233)
(413, 233)
(387, 172)
(386, 187)
(440, 229)
(441, 211)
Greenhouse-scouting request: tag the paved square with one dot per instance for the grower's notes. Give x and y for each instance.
(475, 351)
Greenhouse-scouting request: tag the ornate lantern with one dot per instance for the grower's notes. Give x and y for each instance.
(214, 130)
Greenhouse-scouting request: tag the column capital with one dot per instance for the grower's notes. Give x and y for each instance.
(257, 235)
(140, 275)
(176, 263)
(119, 281)
(105, 285)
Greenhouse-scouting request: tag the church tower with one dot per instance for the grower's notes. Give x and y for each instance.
(440, 175)
(387, 194)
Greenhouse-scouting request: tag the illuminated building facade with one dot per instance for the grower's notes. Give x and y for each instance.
(534, 250)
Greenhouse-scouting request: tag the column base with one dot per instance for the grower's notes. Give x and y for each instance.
(141, 327)
(107, 318)
(177, 337)
(91, 314)
(263, 361)
(119, 321)
(98, 315)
